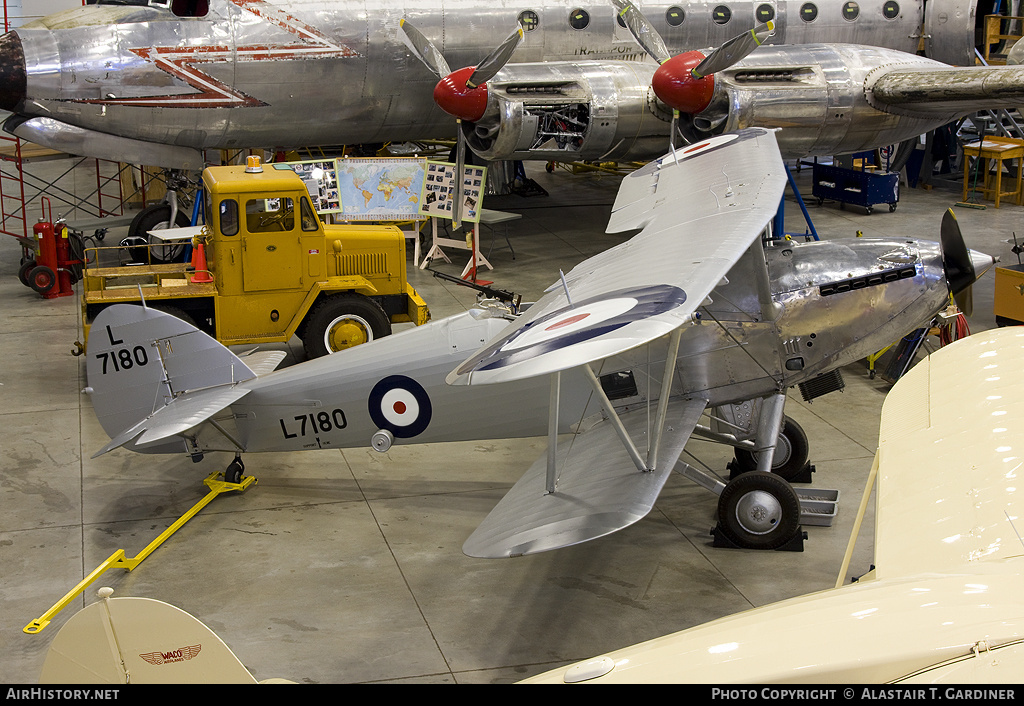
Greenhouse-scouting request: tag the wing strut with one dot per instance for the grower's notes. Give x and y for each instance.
(552, 475)
(652, 452)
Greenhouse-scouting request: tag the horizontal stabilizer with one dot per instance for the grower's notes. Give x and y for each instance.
(263, 362)
(700, 209)
(599, 489)
(179, 415)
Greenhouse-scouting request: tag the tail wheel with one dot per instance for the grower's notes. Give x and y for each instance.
(791, 452)
(759, 510)
(343, 321)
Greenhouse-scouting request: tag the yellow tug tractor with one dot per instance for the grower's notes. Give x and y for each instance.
(265, 267)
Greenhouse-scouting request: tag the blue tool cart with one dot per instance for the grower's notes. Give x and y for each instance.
(860, 187)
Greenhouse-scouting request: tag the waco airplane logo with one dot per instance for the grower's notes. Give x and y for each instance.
(182, 654)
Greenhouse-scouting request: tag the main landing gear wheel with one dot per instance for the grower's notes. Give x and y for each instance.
(156, 217)
(758, 510)
(341, 322)
(791, 453)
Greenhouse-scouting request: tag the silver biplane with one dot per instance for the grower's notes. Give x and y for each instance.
(157, 82)
(703, 312)
(942, 604)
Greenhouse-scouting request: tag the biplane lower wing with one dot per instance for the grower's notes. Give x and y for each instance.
(598, 491)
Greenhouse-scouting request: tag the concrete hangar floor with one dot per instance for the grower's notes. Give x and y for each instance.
(346, 566)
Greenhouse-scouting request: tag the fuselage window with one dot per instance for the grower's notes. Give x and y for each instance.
(721, 14)
(850, 11)
(674, 16)
(891, 10)
(579, 19)
(529, 20)
(809, 12)
(765, 13)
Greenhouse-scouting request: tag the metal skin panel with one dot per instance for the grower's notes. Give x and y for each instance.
(949, 31)
(261, 65)
(946, 587)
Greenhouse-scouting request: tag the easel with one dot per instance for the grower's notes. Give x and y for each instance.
(475, 261)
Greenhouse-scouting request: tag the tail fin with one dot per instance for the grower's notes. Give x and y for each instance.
(152, 375)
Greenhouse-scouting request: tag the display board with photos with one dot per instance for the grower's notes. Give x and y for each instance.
(365, 189)
(321, 179)
(439, 188)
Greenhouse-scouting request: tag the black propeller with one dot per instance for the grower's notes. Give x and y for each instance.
(957, 262)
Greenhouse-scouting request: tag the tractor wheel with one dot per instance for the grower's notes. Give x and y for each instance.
(343, 321)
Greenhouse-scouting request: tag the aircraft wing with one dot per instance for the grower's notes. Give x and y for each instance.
(947, 90)
(699, 209)
(950, 459)
(599, 490)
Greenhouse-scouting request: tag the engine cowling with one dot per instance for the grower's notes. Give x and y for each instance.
(571, 111)
(819, 94)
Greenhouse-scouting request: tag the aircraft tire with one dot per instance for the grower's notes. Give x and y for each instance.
(758, 510)
(342, 321)
(156, 217)
(791, 452)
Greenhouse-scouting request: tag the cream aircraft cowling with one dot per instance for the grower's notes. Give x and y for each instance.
(701, 313)
(944, 602)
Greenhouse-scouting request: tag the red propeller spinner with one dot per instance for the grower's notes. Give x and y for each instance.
(676, 85)
(454, 95)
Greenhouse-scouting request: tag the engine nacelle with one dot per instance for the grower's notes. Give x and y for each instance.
(818, 94)
(566, 112)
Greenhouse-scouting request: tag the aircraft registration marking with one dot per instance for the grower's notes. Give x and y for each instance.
(122, 358)
(318, 423)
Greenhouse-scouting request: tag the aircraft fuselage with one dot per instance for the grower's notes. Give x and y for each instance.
(307, 72)
(836, 302)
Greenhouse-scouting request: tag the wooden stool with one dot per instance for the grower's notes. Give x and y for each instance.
(998, 149)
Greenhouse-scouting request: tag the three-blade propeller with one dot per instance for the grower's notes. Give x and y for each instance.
(685, 82)
(461, 93)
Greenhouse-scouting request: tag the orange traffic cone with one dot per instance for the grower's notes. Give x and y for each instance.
(202, 275)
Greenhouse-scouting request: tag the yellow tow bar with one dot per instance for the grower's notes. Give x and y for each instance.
(120, 561)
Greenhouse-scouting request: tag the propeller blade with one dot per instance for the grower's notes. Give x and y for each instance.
(423, 49)
(497, 59)
(733, 51)
(956, 259)
(460, 161)
(642, 30)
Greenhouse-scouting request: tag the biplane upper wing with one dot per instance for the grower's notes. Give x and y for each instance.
(950, 460)
(699, 209)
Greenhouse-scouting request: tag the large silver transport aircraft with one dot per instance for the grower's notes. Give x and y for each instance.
(158, 81)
